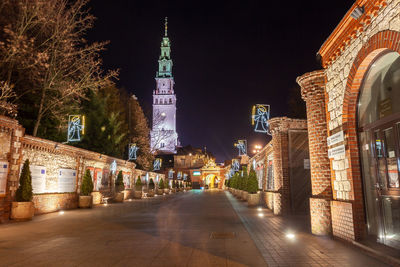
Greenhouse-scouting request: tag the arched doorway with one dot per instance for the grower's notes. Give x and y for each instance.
(378, 128)
(211, 181)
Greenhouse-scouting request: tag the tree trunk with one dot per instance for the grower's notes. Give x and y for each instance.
(40, 113)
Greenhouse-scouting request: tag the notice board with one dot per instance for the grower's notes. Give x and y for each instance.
(66, 180)
(3, 177)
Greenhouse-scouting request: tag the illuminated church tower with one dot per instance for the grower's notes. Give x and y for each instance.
(163, 135)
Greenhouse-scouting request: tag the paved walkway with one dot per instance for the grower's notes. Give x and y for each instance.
(163, 231)
(285, 242)
(185, 229)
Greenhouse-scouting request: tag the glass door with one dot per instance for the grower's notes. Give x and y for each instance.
(387, 166)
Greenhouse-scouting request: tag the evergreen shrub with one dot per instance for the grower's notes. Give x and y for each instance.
(138, 184)
(151, 184)
(252, 184)
(87, 184)
(24, 191)
(161, 184)
(119, 182)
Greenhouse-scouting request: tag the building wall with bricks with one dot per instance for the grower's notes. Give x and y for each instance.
(346, 56)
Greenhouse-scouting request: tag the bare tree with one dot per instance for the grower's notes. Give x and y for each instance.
(7, 93)
(159, 134)
(45, 48)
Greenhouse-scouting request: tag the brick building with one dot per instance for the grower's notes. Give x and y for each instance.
(353, 120)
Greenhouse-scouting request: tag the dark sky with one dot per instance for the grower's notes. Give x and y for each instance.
(228, 55)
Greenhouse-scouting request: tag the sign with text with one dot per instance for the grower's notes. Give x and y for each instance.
(66, 180)
(306, 164)
(336, 151)
(38, 178)
(3, 177)
(335, 138)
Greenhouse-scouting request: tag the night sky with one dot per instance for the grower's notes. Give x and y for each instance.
(227, 55)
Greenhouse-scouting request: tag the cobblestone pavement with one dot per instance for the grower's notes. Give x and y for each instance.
(169, 230)
(287, 242)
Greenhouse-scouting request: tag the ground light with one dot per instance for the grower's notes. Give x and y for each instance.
(61, 212)
(290, 236)
(260, 215)
(259, 209)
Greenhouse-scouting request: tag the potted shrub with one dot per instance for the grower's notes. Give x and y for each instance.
(23, 209)
(177, 186)
(244, 180)
(173, 188)
(161, 187)
(119, 188)
(253, 198)
(137, 193)
(150, 191)
(85, 197)
(166, 186)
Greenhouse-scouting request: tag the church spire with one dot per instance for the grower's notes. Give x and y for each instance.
(165, 61)
(166, 26)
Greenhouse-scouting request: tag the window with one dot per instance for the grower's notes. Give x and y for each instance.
(162, 145)
(170, 100)
(164, 68)
(156, 101)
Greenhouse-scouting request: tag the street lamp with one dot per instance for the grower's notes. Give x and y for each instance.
(257, 148)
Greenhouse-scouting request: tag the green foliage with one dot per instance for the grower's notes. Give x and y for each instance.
(176, 184)
(139, 133)
(252, 184)
(106, 129)
(161, 184)
(243, 179)
(151, 184)
(119, 182)
(24, 191)
(234, 182)
(180, 184)
(138, 184)
(87, 184)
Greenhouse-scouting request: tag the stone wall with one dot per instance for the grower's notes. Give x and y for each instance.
(280, 127)
(53, 156)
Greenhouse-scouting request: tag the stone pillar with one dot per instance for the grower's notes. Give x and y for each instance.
(279, 131)
(313, 92)
(14, 158)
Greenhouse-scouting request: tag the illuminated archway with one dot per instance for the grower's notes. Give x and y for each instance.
(211, 180)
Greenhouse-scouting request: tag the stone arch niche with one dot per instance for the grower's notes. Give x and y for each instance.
(377, 45)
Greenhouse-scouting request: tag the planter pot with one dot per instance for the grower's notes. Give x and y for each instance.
(137, 194)
(96, 197)
(181, 189)
(166, 190)
(119, 197)
(239, 193)
(150, 193)
(253, 199)
(127, 193)
(22, 211)
(244, 195)
(160, 192)
(85, 202)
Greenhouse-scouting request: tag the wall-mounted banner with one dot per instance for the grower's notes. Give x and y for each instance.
(76, 128)
(113, 167)
(179, 176)
(66, 180)
(260, 117)
(132, 155)
(3, 177)
(241, 145)
(235, 165)
(38, 174)
(196, 173)
(157, 164)
(335, 138)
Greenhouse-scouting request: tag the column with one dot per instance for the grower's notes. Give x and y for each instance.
(313, 92)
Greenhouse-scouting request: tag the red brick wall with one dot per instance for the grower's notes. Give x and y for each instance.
(342, 220)
(312, 90)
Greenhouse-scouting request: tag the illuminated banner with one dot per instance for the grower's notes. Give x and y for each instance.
(157, 164)
(76, 128)
(66, 180)
(241, 145)
(132, 151)
(113, 167)
(196, 173)
(260, 117)
(3, 177)
(235, 165)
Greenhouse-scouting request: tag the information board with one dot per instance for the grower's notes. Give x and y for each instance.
(127, 180)
(66, 180)
(3, 177)
(38, 179)
(335, 138)
(336, 151)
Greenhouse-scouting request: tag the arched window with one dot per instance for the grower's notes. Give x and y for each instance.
(170, 100)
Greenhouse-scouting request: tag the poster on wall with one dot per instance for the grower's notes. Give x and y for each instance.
(66, 180)
(3, 177)
(98, 178)
(127, 179)
(38, 179)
